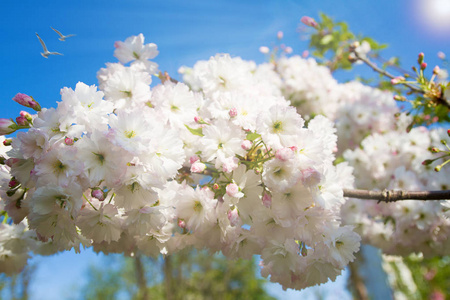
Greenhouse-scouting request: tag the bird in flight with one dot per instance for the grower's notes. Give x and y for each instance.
(46, 52)
(62, 36)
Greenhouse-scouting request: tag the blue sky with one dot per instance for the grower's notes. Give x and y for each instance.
(185, 31)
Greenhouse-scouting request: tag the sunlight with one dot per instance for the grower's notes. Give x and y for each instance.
(435, 14)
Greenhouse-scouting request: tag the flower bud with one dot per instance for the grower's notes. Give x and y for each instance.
(420, 58)
(216, 186)
(438, 168)
(288, 50)
(435, 150)
(448, 132)
(233, 112)
(305, 54)
(233, 216)
(397, 79)
(233, 190)
(264, 49)
(27, 101)
(98, 194)
(399, 98)
(197, 119)
(198, 167)
(246, 145)
(181, 223)
(7, 126)
(13, 183)
(436, 70)
(193, 159)
(267, 200)
(7, 142)
(279, 35)
(22, 121)
(423, 66)
(308, 21)
(427, 162)
(68, 141)
(26, 115)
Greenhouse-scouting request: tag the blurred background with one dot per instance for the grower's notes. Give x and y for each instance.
(185, 32)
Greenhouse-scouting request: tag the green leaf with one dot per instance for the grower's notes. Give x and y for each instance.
(326, 39)
(198, 131)
(252, 136)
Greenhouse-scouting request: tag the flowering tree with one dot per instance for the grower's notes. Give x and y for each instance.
(240, 158)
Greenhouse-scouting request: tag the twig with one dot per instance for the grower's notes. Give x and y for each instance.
(399, 69)
(165, 77)
(385, 73)
(392, 196)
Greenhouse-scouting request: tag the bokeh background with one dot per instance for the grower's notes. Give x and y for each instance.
(185, 32)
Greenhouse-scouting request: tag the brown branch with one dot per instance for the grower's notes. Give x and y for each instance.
(165, 77)
(140, 276)
(168, 278)
(392, 196)
(356, 281)
(381, 59)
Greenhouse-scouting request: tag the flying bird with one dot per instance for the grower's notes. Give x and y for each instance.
(46, 52)
(62, 36)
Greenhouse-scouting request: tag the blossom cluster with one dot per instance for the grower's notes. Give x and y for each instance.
(394, 161)
(224, 163)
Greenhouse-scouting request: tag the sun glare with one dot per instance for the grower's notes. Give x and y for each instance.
(435, 14)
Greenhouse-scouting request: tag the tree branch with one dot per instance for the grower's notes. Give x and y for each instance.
(140, 276)
(392, 196)
(385, 73)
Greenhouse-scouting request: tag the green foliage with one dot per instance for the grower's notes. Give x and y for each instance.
(16, 287)
(331, 41)
(431, 275)
(198, 131)
(202, 276)
(186, 275)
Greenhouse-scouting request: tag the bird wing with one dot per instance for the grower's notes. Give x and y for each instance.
(55, 53)
(69, 35)
(59, 33)
(42, 43)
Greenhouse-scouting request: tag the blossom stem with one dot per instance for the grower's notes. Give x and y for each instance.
(84, 196)
(392, 195)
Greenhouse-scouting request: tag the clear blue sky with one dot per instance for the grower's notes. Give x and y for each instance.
(185, 31)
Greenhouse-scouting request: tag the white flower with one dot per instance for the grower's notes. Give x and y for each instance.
(100, 225)
(344, 242)
(102, 160)
(134, 49)
(221, 140)
(196, 207)
(278, 124)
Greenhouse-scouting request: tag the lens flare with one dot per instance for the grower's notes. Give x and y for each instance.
(434, 14)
